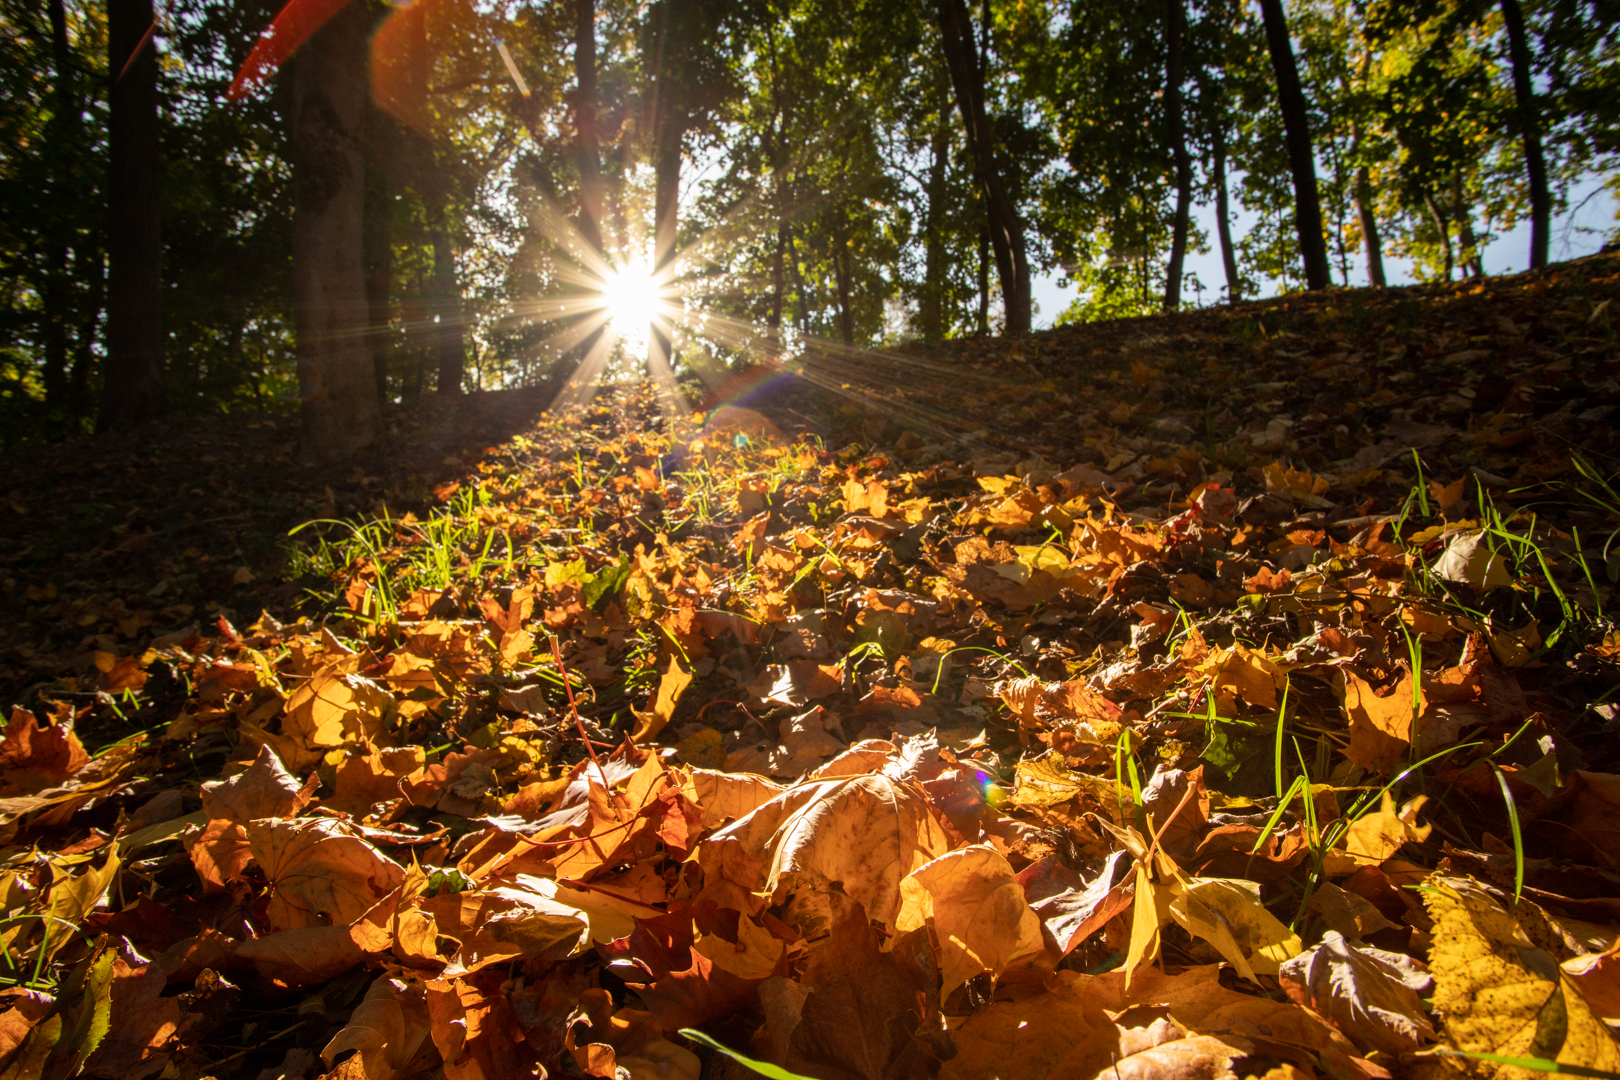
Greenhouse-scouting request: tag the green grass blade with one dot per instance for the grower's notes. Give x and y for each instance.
(764, 1068)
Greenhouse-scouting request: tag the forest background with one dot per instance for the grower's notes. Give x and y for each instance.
(832, 173)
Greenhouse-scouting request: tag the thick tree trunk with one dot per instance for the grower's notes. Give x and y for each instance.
(1301, 158)
(378, 255)
(1177, 133)
(1529, 122)
(669, 139)
(450, 343)
(1223, 221)
(931, 313)
(1006, 228)
(336, 378)
(1372, 243)
(61, 141)
(132, 388)
(588, 152)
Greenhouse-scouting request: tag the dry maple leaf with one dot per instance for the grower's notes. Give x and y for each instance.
(1371, 995)
(858, 836)
(1496, 993)
(388, 1029)
(976, 906)
(320, 873)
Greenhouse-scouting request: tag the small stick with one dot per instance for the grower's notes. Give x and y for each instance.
(568, 685)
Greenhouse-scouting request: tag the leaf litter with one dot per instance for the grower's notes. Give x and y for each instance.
(861, 745)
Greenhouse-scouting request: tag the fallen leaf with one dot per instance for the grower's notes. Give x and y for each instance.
(320, 873)
(1380, 724)
(1496, 993)
(977, 909)
(1374, 997)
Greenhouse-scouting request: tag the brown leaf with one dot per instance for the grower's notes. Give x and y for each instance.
(977, 909)
(1068, 1030)
(388, 1029)
(1072, 909)
(476, 1030)
(265, 789)
(33, 758)
(320, 873)
(1373, 996)
(23, 1009)
(862, 1006)
(303, 957)
(858, 836)
(143, 1021)
(1380, 724)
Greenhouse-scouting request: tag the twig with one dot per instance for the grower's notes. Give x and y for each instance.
(568, 685)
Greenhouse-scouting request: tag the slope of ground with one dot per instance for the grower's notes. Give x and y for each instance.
(1219, 694)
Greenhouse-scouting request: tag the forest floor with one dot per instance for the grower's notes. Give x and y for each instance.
(1226, 693)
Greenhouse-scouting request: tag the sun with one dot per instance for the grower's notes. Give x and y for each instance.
(632, 298)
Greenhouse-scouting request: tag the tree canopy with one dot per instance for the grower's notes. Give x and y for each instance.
(828, 174)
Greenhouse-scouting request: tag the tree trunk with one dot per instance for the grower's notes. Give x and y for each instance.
(588, 152)
(1006, 228)
(378, 255)
(1301, 158)
(669, 140)
(61, 145)
(774, 319)
(1371, 242)
(450, 343)
(1472, 261)
(1223, 221)
(132, 388)
(1529, 122)
(336, 379)
(1177, 133)
(841, 270)
(1444, 228)
(932, 308)
(984, 279)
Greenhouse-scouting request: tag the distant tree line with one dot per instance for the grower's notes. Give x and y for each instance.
(403, 204)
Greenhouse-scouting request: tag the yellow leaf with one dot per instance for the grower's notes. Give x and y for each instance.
(1496, 993)
(670, 688)
(978, 910)
(754, 955)
(1380, 725)
(1227, 913)
(1144, 924)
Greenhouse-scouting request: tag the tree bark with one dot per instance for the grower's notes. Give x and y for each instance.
(1524, 96)
(669, 139)
(1473, 264)
(450, 343)
(841, 271)
(1301, 158)
(931, 314)
(132, 388)
(336, 379)
(377, 242)
(1006, 228)
(1372, 243)
(61, 144)
(586, 147)
(1444, 227)
(1223, 221)
(984, 279)
(1177, 133)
